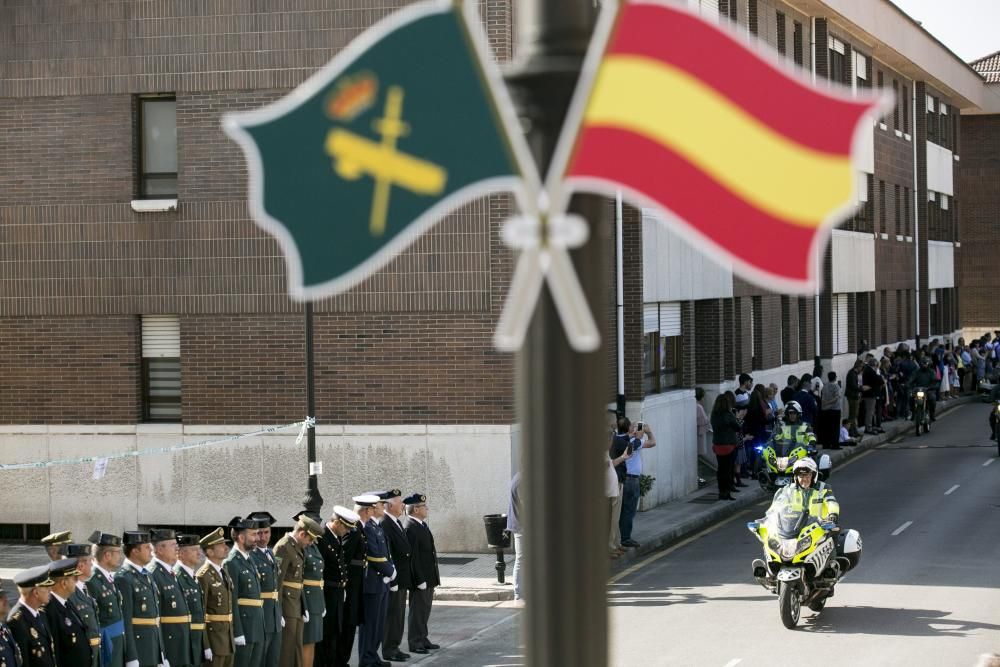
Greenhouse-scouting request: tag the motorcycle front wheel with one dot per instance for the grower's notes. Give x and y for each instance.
(789, 605)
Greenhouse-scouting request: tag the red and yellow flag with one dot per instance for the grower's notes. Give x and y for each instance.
(752, 160)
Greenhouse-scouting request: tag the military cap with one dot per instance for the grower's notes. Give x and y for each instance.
(217, 536)
(35, 577)
(133, 537)
(366, 500)
(263, 519)
(346, 516)
(55, 539)
(65, 567)
(310, 525)
(378, 494)
(236, 523)
(415, 499)
(162, 535)
(104, 539)
(312, 515)
(77, 550)
(392, 493)
(187, 540)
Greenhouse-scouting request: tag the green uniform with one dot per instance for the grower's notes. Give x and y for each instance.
(175, 619)
(109, 618)
(192, 595)
(290, 559)
(248, 609)
(141, 612)
(86, 608)
(268, 571)
(312, 594)
(217, 594)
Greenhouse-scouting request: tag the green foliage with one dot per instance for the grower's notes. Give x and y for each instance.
(645, 484)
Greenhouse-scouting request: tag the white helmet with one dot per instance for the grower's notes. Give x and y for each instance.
(808, 464)
(793, 405)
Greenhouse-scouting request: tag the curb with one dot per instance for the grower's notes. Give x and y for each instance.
(474, 594)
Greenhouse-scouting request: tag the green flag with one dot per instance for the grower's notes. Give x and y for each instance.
(398, 129)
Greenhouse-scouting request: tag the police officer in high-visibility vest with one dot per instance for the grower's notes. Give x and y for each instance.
(807, 494)
(793, 428)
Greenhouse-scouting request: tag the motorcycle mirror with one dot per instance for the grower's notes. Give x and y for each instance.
(752, 526)
(828, 526)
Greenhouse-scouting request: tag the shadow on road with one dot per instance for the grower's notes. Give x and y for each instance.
(888, 621)
(672, 596)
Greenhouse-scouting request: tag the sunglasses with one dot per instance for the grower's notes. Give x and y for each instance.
(803, 473)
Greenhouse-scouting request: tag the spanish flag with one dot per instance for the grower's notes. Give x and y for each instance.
(753, 162)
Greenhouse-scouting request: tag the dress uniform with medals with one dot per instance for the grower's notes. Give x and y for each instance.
(217, 595)
(102, 589)
(188, 586)
(424, 570)
(85, 605)
(331, 548)
(140, 608)
(290, 556)
(355, 548)
(381, 572)
(55, 544)
(248, 606)
(263, 559)
(28, 625)
(10, 652)
(399, 551)
(69, 634)
(175, 619)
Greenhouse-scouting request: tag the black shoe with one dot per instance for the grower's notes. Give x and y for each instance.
(630, 543)
(419, 649)
(741, 484)
(432, 647)
(736, 490)
(398, 656)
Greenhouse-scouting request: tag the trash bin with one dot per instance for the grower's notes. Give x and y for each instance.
(497, 537)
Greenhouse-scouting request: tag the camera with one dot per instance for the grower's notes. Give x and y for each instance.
(639, 426)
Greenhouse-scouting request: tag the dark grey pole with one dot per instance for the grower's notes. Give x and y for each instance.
(312, 500)
(562, 394)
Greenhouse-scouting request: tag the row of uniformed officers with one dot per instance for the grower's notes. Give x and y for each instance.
(161, 599)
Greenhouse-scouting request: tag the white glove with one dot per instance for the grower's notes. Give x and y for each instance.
(394, 588)
(393, 577)
(208, 655)
(386, 580)
(240, 641)
(422, 586)
(132, 663)
(324, 613)
(282, 621)
(165, 663)
(305, 616)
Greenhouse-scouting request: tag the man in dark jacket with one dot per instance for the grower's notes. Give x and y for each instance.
(425, 573)
(69, 634)
(852, 392)
(355, 546)
(871, 388)
(399, 551)
(333, 546)
(788, 393)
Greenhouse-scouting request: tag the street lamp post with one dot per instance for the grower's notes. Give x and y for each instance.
(312, 500)
(562, 394)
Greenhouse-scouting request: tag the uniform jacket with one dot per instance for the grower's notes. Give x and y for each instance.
(248, 608)
(192, 596)
(334, 576)
(379, 563)
(69, 635)
(312, 583)
(399, 550)
(140, 603)
(106, 597)
(217, 596)
(290, 558)
(355, 549)
(423, 554)
(10, 652)
(176, 634)
(31, 633)
(86, 608)
(801, 434)
(268, 570)
(818, 500)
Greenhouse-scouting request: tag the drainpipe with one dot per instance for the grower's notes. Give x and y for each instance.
(620, 303)
(819, 255)
(916, 218)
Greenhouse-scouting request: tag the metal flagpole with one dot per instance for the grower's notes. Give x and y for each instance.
(562, 394)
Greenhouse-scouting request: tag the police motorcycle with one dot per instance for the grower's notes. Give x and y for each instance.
(777, 458)
(921, 415)
(995, 422)
(805, 556)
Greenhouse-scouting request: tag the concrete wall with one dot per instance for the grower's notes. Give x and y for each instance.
(674, 460)
(464, 471)
(673, 270)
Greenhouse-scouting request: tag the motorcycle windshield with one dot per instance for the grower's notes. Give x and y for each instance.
(782, 448)
(784, 520)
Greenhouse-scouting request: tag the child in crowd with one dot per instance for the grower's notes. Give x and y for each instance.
(845, 437)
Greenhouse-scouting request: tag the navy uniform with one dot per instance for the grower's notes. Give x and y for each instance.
(140, 607)
(355, 547)
(69, 634)
(263, 558)
(175, 618)
(84, 605)
(188, 586)
(28, 625)
(10, 652)
(399, 551)
(102, 589)
(380, 574)
(248, 606)
(55, 544)
(217, 595)
(331, 548)
(426, 577)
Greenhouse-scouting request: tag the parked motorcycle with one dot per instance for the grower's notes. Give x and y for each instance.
(921, 418)
(804, 560)
(775, 460)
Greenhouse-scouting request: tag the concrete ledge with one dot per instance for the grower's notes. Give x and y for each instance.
(474, 594)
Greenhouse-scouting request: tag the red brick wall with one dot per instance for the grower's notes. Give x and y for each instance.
(979, 211)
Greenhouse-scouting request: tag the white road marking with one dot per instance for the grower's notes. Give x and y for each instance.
(951, 490)
(988, 462)
(902, 528)
(734, 662)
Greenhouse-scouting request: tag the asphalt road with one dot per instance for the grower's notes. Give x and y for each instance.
(927, 591)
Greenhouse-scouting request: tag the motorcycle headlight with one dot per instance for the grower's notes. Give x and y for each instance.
(782, 462)
(788, 548)
(920, 394)
(803, 544)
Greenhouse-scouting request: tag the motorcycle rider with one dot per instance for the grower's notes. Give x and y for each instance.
(808, 494)
(994, 398)
(793, 428)
(924, 379)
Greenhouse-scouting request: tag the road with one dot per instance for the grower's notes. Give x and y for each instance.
(927, 591)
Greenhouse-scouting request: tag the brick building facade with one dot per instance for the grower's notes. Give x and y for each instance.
(409, 389)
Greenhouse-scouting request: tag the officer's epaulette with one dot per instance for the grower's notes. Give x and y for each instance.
(16, 616)
(204, 568)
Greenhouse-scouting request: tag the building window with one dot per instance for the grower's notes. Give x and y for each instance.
(944, 130)
(840, 324)
(861, 77)
(838, 60)
(161, 368)
(157, 141)
(934, 316)
(797, 42)
(881, 82)
(906, 109)
(670, 362)
(899, 211)
(906, 211)
(782, 46)
(932, 119)
(883, 312)
(752, 16)
(895, 108)
(881, 207)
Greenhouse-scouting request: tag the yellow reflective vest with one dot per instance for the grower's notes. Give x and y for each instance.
(818, 500)
(801, 434)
